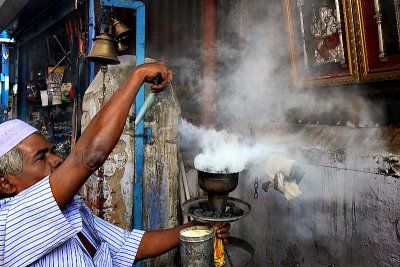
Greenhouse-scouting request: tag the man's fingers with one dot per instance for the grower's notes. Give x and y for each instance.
(224, 229)
(223, 235)
(162, 63)
(166, 80)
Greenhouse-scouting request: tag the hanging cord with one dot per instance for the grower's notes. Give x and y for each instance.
(253, 140)
(103, 69)
(100, 173)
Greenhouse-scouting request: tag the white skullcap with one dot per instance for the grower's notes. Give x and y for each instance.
(12, 132)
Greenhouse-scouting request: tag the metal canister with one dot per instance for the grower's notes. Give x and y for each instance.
(196, 247)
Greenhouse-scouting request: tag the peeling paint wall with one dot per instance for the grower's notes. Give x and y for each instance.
(109, 192)
(161, 170)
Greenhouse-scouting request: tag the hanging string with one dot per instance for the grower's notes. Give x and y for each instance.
(103, 69)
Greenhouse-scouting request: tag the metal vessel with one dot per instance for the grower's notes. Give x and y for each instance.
(217, 207)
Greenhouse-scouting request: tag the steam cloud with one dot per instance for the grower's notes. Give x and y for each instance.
(256, 81)
(221, 152)
(255, 87)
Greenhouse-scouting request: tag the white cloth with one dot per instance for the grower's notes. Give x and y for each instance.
(35, 232)
(277, 164)
(12, 132)
(289, 189)
(277, 168)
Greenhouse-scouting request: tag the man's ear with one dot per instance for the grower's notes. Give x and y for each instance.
(6, 187)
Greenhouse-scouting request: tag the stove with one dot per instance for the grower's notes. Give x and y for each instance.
(217, 207)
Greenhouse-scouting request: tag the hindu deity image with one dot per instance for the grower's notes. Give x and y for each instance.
(325, 28)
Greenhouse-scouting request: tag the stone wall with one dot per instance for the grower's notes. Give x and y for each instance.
(348, 214)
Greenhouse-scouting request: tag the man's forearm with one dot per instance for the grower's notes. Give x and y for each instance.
(101, 135)
(105, 129)
(155, 243)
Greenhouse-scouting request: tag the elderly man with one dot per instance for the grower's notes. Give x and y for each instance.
(42, 221)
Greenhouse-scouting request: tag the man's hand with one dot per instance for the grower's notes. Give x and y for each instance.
(223, 233)
(153, 71)
(155, 243)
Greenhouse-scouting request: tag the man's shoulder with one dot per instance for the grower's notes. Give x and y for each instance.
(4, 204)
(30, 192)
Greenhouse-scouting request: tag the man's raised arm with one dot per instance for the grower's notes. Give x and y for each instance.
(103, 133)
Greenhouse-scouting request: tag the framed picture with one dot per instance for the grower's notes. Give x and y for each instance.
(321, 42)
(378, 29)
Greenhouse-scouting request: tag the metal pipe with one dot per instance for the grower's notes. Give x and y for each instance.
(139, 129)
(339, 29)
(300, 4)
(92, 34)
(62, 48)
(5, 65)
(378, 18)
(59, 62)
(15, 87)
(182, 197)
(184, 179)
(209, 62)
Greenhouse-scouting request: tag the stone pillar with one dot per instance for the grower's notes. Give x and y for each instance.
(109, 191)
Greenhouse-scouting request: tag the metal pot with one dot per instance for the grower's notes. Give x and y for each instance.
(218, 186)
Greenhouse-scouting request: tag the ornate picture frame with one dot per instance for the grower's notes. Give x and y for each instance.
(377, 25)
(321, 42)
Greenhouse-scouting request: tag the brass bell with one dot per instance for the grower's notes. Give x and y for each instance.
(121, 46)
(104, 50)
(120, 30)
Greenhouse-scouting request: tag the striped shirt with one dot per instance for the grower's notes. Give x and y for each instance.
(35, 232)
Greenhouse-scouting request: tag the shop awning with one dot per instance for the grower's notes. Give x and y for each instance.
(25, 17)
(9, 10)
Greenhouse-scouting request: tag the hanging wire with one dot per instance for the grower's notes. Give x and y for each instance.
(103, 69)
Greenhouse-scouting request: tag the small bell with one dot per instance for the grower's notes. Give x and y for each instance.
(104, 50)
(120, 30)
(121, 46)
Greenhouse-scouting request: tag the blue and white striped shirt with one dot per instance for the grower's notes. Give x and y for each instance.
(35, 232)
